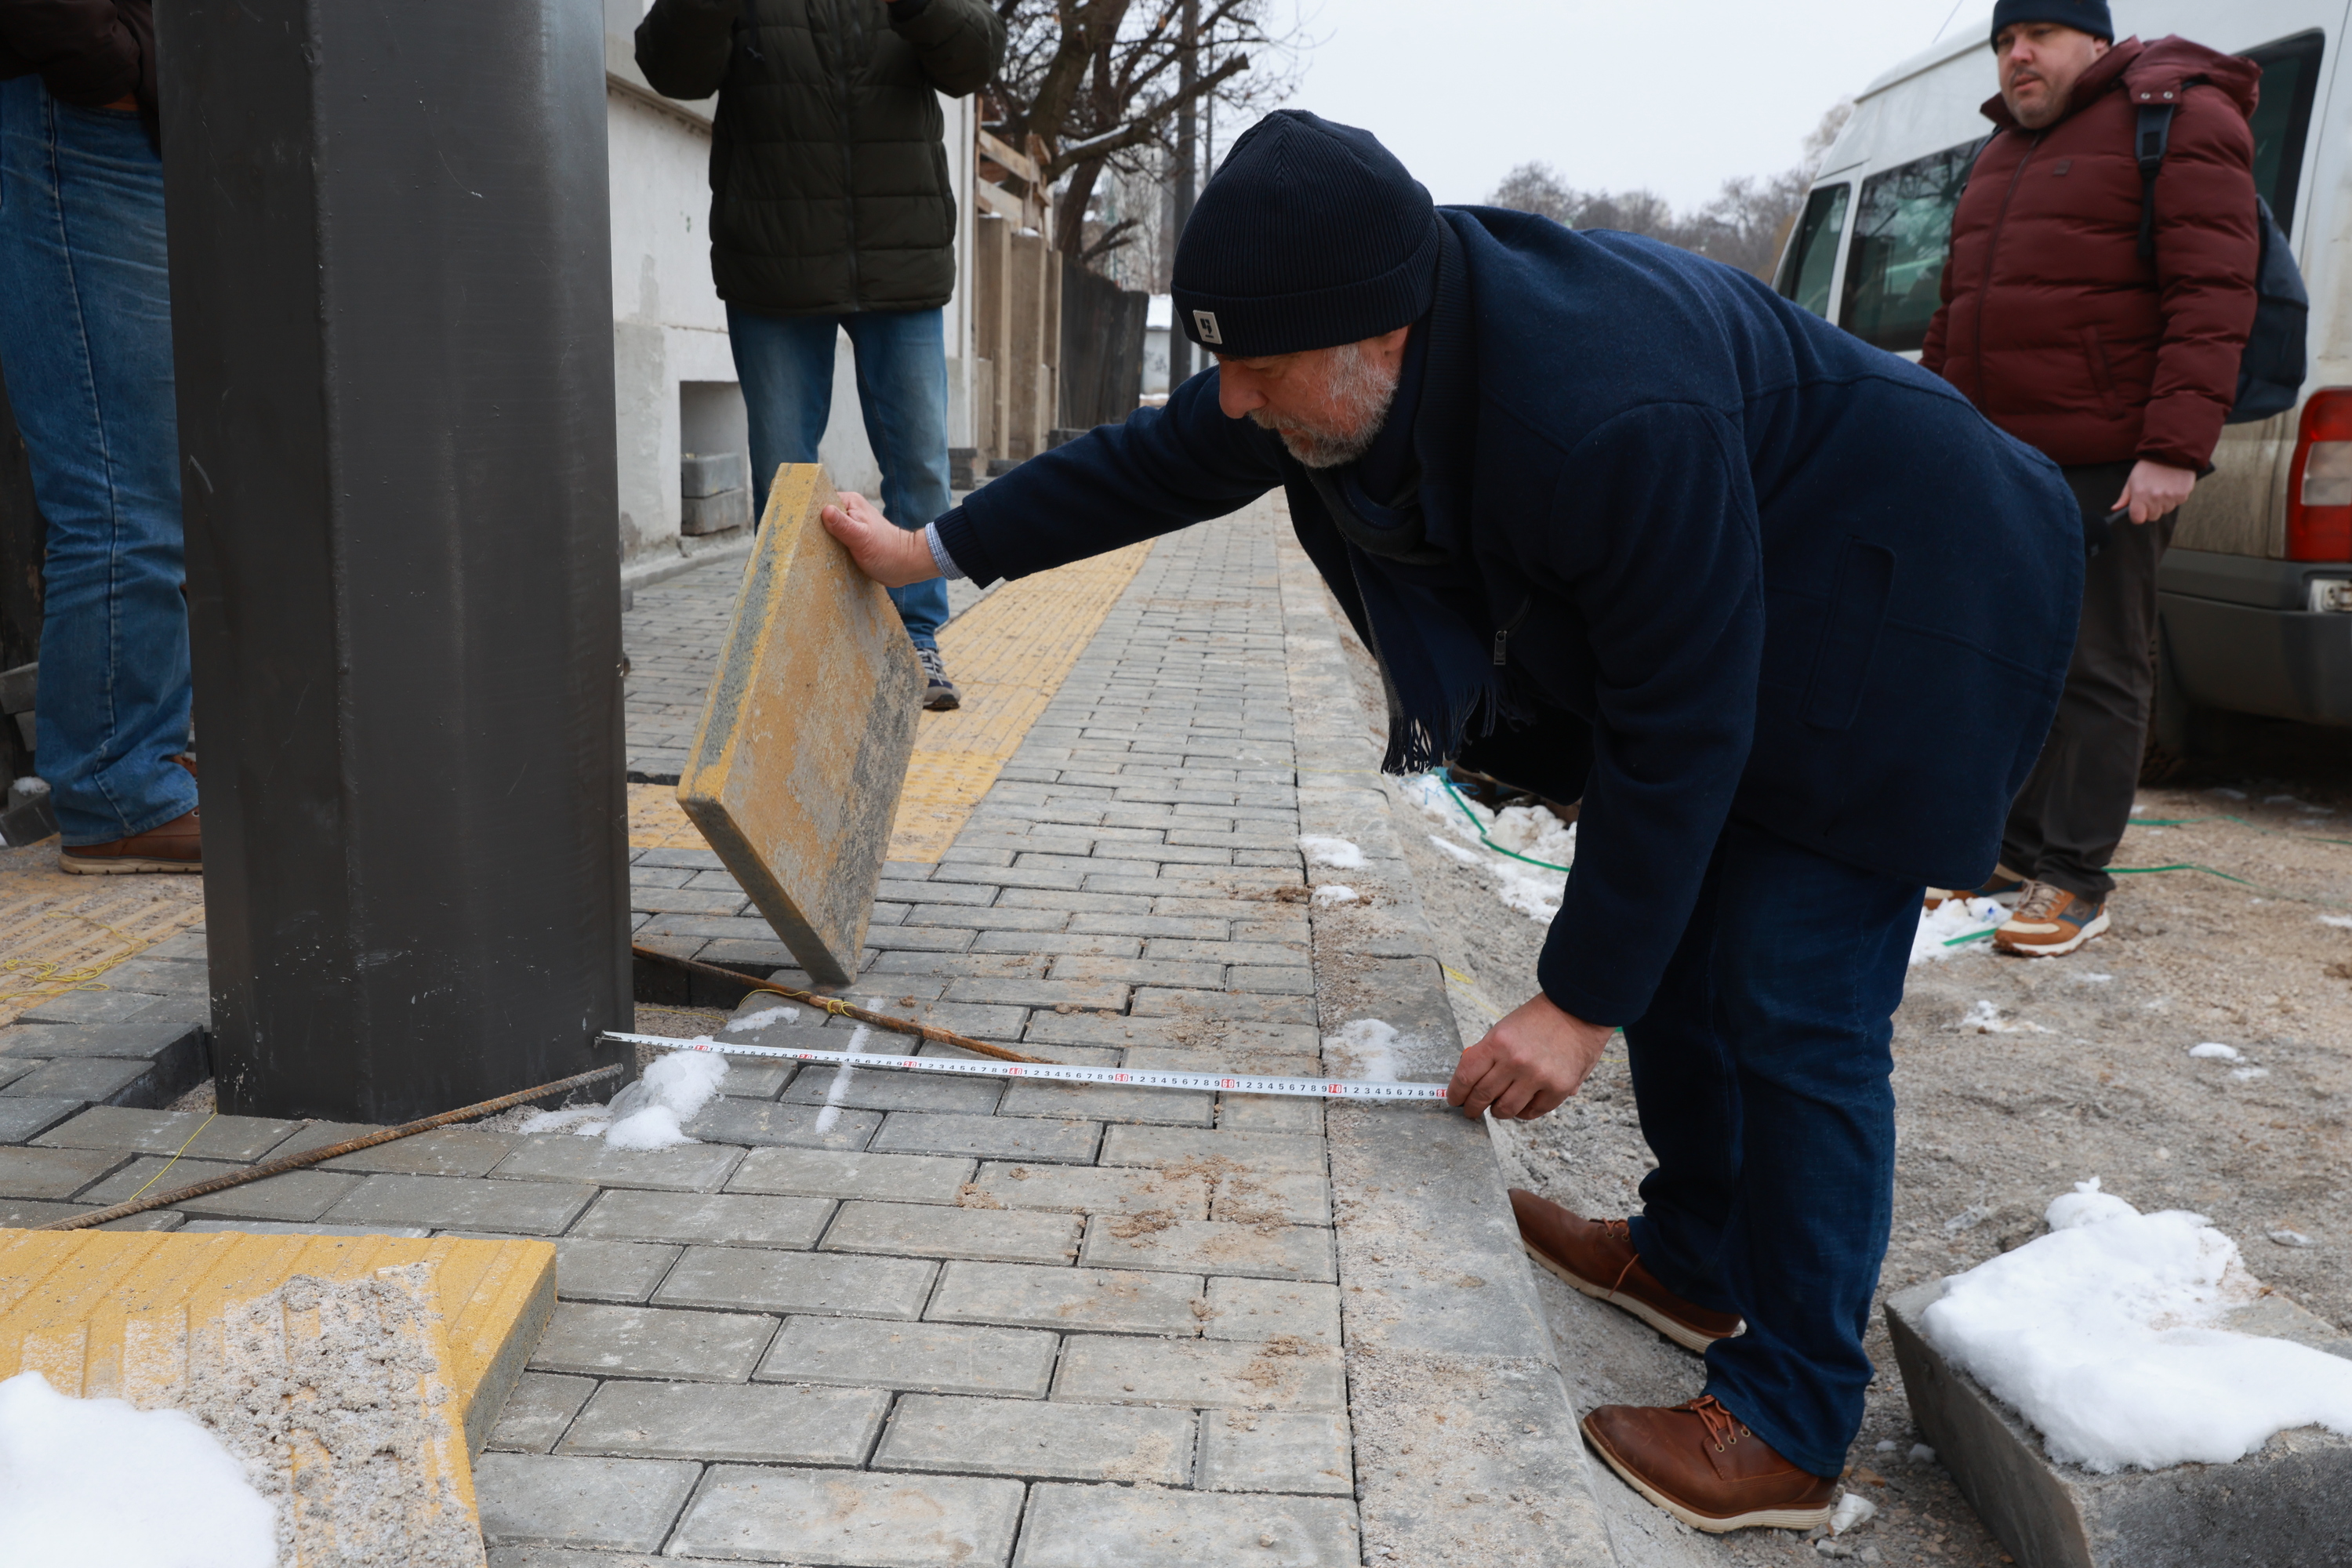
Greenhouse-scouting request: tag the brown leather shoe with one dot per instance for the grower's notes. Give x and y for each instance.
(1701, 1464)
(177, 846)
(1597, 1257)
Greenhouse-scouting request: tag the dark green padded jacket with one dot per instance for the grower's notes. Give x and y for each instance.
(829, 188)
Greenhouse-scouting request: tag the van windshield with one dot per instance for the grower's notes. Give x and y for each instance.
(1812, 252)
(2281, 120)
(1895, 267)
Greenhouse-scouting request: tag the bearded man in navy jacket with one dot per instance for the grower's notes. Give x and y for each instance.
(1784, 610)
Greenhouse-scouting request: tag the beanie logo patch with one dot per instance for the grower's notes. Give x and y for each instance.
(1206, 321)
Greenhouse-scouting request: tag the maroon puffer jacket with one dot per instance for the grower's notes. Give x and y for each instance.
(90, 53)
(2052, 325)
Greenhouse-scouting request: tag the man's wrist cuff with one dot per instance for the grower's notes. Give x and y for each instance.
(939, 556)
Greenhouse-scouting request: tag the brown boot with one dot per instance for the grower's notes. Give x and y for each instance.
(1701, 1464)
(1597, 1257)
(177, 846)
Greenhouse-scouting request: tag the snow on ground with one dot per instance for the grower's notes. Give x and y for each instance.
(1533, 891)
(1943, 930)
(647, 1114)
(1368, 1048)
(98, 1484)
(1336, 853)
(760, 1020)
(2105, 1336)
(1329, 893)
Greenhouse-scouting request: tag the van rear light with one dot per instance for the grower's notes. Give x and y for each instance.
(2319, 484)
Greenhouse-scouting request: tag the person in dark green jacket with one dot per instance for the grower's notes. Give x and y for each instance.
(831, 210)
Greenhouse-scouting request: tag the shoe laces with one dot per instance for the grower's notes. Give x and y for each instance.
(2039, 899)
(934, 665)
(1723, 1428)
(1620, 1230)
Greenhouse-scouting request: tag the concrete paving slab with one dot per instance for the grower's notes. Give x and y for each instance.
(1023, 1437)
(458, 1203)
(1274, 1451)
(1031, 1296)
(444, 1152)
(623, 1505)
(836, 1517)
(26, 1117)
(750, 1278)
(1260, 1309)
(139, 1040)
(841, 1173)
(559, 1157)
(760, 1123)
(52, 1173)
(541, 1405)
(760, 1424)
(1072, 1526)
(647, 1342)
(923, 1357)
(620, 1271)
(1209, 1247)
(1270, 1114)
(1207, 1375)
(297, 1195)
(919, 1132)
(877, 1089)
(1089, 1189)
(740, 1219)
(103, 1080)
(931, 1230)
(1249, 1154)
(241, 1137)
(1107, 1102)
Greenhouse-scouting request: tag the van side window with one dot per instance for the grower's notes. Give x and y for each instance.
(2283, 119)
(1813, 254)
(1895, 267)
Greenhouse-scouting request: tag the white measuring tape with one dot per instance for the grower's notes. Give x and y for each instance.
(1132, 1077)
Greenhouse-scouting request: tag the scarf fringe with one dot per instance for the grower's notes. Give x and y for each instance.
(1414, 747)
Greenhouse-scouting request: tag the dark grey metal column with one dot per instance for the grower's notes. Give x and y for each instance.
(393, 327)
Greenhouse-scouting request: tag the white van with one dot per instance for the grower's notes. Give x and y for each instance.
(2255, 596)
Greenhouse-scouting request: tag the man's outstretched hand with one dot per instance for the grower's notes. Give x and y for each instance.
(889, 554)
(1528, 1064)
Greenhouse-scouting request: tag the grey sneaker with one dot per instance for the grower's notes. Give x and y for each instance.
(940, 694)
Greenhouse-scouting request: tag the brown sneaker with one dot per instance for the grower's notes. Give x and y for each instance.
(1597, 1257)
(177, 846)
(1701, 1464)
(2049, 922)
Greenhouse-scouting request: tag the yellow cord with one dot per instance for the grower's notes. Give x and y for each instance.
(173, 1160)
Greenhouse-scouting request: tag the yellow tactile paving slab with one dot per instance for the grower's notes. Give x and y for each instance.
(1009, 655)
(657, 822)
(61, 933)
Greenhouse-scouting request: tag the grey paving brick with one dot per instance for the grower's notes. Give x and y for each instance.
(958, 892)
(623, 1271)
(1258, 1197)
(999, 917)
(1156, 1003)
(739, 1219)
(1209, 1247)
(139, 1040)
(711, 928)
(985, 1023)
(1193, 951)
(1259, 1310)
(1274, 1451)
(761, 1424)
(1139, 971)
(1055, 941)
(1023, 1437)
(760, 1122)
(692, 859)
(932, 1358)
(935, 939)
(749, 1079)
(296, 1196)
(1089, 1189)
(1200, 1374)
(91, 1008)
(622, 1505)
(84, 1078)
(1074, 1526)
(850, 1516)
(685, 900)
(458, 1203)
(564, 1157)
(52, 1173)
(1270, 1114)
(917, 1133)
(1075, 905)
(647, 1342)
(889, 968)
(1269, 1050)
(444, 1152)
(1031, 1296)
(1031, 992)
(648, 876)
(25, 1117)
(1250, 1153)
(243, 1138)
(1107, 1102)
(540, 1406)
(840, 1174)
(846, 1284)
(876, 1088)
(931, 1230)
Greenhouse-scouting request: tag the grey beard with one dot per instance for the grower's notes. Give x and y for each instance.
(1363, 392)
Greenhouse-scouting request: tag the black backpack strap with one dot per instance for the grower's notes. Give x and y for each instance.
(2147, 145)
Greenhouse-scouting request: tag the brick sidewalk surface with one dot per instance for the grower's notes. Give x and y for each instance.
(875, 1319)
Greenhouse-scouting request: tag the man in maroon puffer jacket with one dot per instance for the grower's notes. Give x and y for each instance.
(2120, 369)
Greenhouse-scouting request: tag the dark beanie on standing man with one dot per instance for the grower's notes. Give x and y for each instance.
(2082, 16)
(1310, 236)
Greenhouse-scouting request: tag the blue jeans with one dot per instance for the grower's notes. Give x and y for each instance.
(86, 340)
(785, 366)
(1763, 1077)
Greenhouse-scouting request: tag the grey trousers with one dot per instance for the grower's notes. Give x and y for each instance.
(2066, 822)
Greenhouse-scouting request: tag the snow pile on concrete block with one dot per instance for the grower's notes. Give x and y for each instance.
(2104, 1335)
(647, 1114)
(1532, 831)
(1321, 849)
(98, 1484)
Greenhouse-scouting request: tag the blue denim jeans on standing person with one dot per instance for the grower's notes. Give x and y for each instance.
(785, 366)
(1763, 1077)
(86, 341)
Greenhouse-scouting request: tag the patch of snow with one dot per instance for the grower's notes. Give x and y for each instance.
(1888, 1445)
(2104, 1335)
(1985, 1019)
(1954, 918)
(1336, 853)
(2292, 1239)
(1329, 893)
(1967, 1218)
(2137, 809)
(1370, 1047)
(1533, 891)
(1464, 856)
(839, 1088)
(1853, 1509)
(1921, 1454)
(649, 1113)
(2215, 1051)
(2081, 978)
(98, 1484)
(2341, 923)
(763, 1017)
(2247, 1075)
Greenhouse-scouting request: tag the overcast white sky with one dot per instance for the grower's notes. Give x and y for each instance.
(1677, 95)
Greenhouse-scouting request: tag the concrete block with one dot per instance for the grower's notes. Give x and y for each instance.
(766, 1281)
(1209, 1247)
(737, 1219)
(931, 1230)
(239, 1138)
(91, 1008)
(541, 1405)
(107, 1080)
(876, 1088)
(848, 1517)
(140, 1040)
(1270, 1114)
(1248, 1153)
(1089, 1189)
(444, 1152)
(297, 1195)
(646, 1341)
(758, 1424)
(995, 1136)
(755, 1080)
(2288, 1505)
(798, 761)
(711, 473)
(928, 1358)
(1274, 1451)
(52, 1173)
(1029, 1296)
(1026, 993)
(1107, 1102)
(1072, 1526)
(843, 1174)
(700, 515)
(620, 1271)
(1261, 1309)
(1201, 1374)
(621, 1505)
(1023, 1437)
(758, 1123)
(28, 1116)
(456, 1202)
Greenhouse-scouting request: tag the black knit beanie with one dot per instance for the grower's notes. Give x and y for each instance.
(1311, 235)
(2082, 16)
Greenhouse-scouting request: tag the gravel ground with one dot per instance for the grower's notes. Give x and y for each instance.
(2015, 1079)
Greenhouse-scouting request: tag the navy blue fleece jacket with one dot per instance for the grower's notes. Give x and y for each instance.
(1781, 574)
